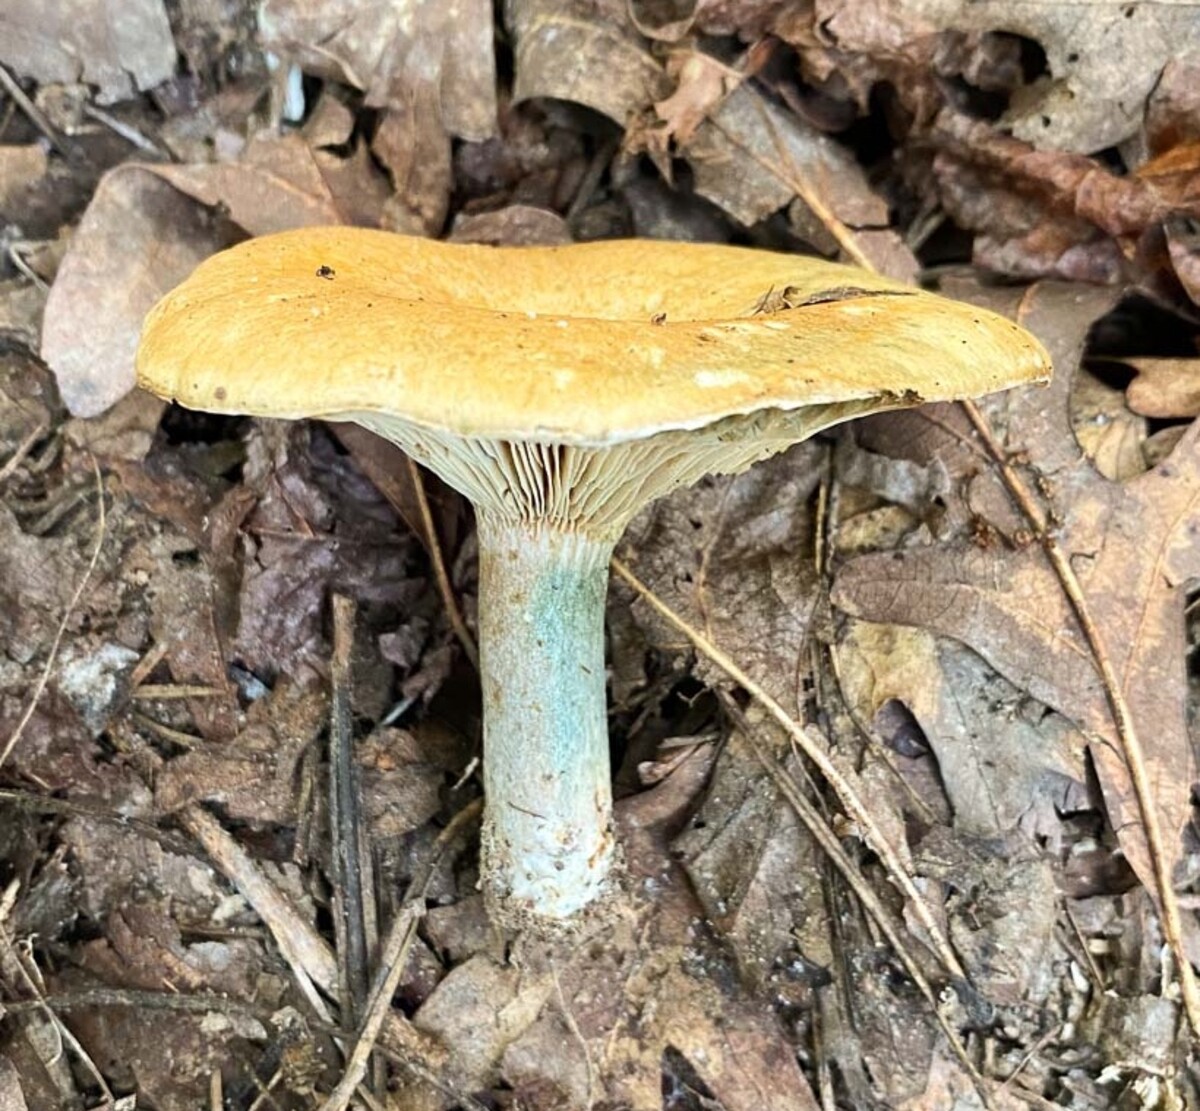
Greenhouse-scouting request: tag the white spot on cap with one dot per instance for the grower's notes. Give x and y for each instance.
(563, 378)
(710, 379)
(561, 323)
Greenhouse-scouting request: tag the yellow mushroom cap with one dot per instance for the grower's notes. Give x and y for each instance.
(590, 344)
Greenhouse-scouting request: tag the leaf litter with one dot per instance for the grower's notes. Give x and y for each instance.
(863, 633)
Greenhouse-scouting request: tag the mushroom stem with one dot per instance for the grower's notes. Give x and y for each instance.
(547, 828)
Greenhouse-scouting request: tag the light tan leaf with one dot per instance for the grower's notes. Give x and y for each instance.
(1165, 387)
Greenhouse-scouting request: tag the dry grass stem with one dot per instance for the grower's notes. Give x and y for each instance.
(438, 562)
(813, 747)
(1131, 746)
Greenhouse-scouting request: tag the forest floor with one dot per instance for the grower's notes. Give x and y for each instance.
(986, 618)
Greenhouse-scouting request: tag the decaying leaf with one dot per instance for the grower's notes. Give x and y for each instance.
(120, 46)
(391, 48)
(1085, 102)
(585, 52)
(140, 222)
(1002, 764)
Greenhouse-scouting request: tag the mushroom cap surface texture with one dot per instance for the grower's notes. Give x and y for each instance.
(592, 344)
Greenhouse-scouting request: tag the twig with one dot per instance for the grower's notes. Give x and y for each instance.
(169, 692)
(126, 131)
(1131, 745)
(14, 969)
(311, 960)
(40, 686)
(345, 821)
(47, 804)
(23, 449)
(36, 116)
(814, 749)
(828, 841)
(392, 962)
(440, 575)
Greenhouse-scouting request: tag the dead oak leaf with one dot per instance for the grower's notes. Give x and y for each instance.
(702, 83)
(585, 52)
(1084, 103)
(1133, 547)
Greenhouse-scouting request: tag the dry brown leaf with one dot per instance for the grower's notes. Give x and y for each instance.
(734, 557)
(853, 48)
(702, 82)
(1086, 102)
(1183, 244)
(392, 48)
(671, 20)
(750, 159)
(1165, 387)
(515, 225)
(1133, 547)
(1110, 434)
(120, 46)
(585, 51)
(415, 149)
(1053, 213)
(1002, 763)
(253, 775)
(1173, 114)
(138, 238)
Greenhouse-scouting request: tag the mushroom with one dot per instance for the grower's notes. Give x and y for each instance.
(560, 389)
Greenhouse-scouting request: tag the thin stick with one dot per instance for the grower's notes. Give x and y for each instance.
(345, 821)
(1131, 745)
(392, 962)
(36, 116)
(828, 841)
(440, 575)
(311, 960)
(14, 968)
(23, 449)
(40, 686)
(813, 748)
